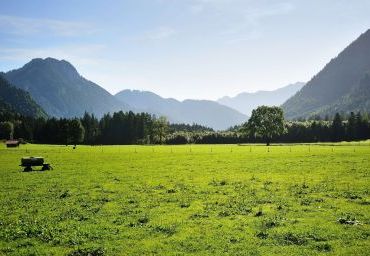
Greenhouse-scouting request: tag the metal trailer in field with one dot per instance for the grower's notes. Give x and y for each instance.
(29, 162)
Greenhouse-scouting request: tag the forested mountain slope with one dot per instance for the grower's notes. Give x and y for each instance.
(13, 99)
(340, 86)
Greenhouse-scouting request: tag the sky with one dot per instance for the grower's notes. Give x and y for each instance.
(198, 49)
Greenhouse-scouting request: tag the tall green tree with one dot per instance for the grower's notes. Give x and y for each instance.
(6, 130)
(351, 127)
(76, 131)
(91, 126)
(337, 128)
(160, 129)
(266, 123)
(362, 122)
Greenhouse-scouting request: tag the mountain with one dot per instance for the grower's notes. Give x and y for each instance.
(203, 112)
(341, 86)
(357, 100)
(245, 102)
(61, 91)
(16, 100)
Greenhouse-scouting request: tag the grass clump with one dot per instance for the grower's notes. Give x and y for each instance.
(90, 251)
(348, 220)
(324, 247)
(291, 238)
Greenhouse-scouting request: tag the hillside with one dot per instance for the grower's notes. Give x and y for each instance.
(245, 102)
(357, 100)
(61, 91)
(16, 100)
(340, 86)
(203, 112)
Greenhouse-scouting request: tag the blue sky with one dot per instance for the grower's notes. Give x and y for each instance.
(201, 49)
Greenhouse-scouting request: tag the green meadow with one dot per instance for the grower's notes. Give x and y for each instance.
(187, 200)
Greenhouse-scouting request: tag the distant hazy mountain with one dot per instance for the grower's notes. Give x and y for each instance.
(203, 112)
(61, 91)
(245, 102)
(341, 86)
(16, 100)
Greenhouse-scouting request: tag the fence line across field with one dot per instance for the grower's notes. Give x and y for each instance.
(310, 148)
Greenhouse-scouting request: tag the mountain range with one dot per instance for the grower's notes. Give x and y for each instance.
(245, 102)
(204, 112)
(54, 87)
(341, 86)
(62, 92)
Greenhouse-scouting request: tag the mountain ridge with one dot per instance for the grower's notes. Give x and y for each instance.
(245, 102)
(335, 82)
(203, 112)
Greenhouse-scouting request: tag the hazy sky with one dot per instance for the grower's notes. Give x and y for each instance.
(201, 49)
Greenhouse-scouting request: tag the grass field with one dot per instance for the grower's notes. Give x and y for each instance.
(187, 200)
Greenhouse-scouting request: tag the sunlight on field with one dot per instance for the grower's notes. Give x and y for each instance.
(187, 200)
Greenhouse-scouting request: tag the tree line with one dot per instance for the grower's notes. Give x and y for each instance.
(117, 128)
(266, 125)
(354, 127)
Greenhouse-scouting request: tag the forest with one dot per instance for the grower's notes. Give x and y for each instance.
(125, 128)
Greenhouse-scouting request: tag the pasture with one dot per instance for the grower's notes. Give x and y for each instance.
(187, 200)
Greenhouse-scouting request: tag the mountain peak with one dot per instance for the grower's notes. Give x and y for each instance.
(47, 60)
(61, 65)
(57, 86)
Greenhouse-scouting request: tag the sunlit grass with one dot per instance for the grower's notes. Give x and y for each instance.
(187, 200)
